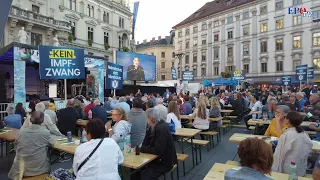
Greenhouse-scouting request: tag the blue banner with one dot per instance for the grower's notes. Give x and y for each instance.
(134, 19)
(310, 73)
(301, 72)
(239, 75)
(19, 72)
(4, 12)
(101, 84)
(174, 73)
(114, 76)
(286, 80)
(61, 63)
(187, 76)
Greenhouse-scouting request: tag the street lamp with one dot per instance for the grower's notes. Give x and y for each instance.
(180, 56)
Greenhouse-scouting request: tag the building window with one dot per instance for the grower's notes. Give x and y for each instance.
(163, 76)
(297, 20)
(105, 17)
(263, 27)
(203, 55)
(216, 37)
(120, 42)
(73, 28)
(216, 23)
(163, 65)
(121, 22)
(316, 63)
(245, 15)
(245, 31)
(279, 67)
(195, 58)
(195, 29)
(187, 32)
(230, 34)
(279, 24)
(246, 67)
(229, 68)
(316, 39)
(216, 71)
(35, 9)
(296, 42)
(163, 54)
(316, 15)
(203, 71)
(90, 33)
(195, 72)
(180, 34)
(230, 51)
(72, 4)
(263, 10)
(279, 44)
(230, 19)
(279, 5)
(195, 42)
(296, 63)
(246, 49)
(216, 53)
(180, 45)
(263, 46)
(90, 11)
(106, 38)
(204, 26)
(264, 67)
(36, 39)
(187, 44)
(172, 64)
(297, 2)
(173, 55)
(187, 59)
(204, 41)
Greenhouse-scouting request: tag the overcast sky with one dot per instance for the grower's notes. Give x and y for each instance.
(157, 17)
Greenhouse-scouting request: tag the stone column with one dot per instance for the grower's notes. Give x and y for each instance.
(209, 52)
(255, 50)
(223, 46)
(237, 57)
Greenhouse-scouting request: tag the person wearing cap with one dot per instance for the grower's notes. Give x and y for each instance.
(256, 106)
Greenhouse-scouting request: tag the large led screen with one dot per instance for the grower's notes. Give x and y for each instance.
(139, 67)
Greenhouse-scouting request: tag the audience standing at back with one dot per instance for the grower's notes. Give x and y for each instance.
(138, 120)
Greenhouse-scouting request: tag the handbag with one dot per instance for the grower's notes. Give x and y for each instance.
(172, 127)
(87, 159)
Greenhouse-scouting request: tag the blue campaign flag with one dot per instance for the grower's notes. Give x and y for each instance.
(61, 63)
(114, 76)
(301, 72)
(174, 73)
(4, 12)
(134, 19)
(239, 75)
(286, 80)
(310, 73)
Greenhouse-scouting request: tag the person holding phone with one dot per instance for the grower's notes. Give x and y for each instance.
(278, 124)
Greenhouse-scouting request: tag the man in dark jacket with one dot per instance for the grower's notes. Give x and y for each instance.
(67, 118)
(135, 71)
(314, 107)
(99, 112)
(158, 141)
(237, 105)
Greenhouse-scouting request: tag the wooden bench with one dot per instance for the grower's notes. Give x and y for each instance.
(234, 163)
(209, 136)
(182, 158)
(223, 127)
(311, 132)
(171, 172)
(308, 176)
(197, 145)
(39, 177)
(252, 127)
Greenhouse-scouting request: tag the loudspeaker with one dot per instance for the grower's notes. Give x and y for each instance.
(3, 91)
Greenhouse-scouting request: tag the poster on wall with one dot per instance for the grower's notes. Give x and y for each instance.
(138, 67)
(19, 75)
(114, 76)
(301, 72)
(61, 63)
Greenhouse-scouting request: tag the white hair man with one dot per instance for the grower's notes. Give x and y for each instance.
(47, 122)
(123, 104)
(49, 112)
(161, 109)
(301, 101)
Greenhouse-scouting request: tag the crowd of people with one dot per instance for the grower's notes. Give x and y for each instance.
(152, 119)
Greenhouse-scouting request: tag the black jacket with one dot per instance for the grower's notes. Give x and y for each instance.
(135, 74)
(237, 107)
(160, 142)
(67, 120)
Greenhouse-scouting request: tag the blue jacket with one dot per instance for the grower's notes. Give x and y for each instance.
(99, 112)
(165, 95)
(189, 107)
(13, 121)
(301, 103)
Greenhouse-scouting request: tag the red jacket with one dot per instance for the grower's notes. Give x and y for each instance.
(88, 108)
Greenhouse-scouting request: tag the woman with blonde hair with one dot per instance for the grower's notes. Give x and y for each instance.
(215, 111)
(205, 100)
(201, 117)
(174, 114)
(121, 128)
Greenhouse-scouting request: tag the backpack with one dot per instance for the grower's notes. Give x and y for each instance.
(172, 127)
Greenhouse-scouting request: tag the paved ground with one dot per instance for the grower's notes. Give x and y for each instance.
(223, 152)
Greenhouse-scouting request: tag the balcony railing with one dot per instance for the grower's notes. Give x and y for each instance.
(41, 19)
